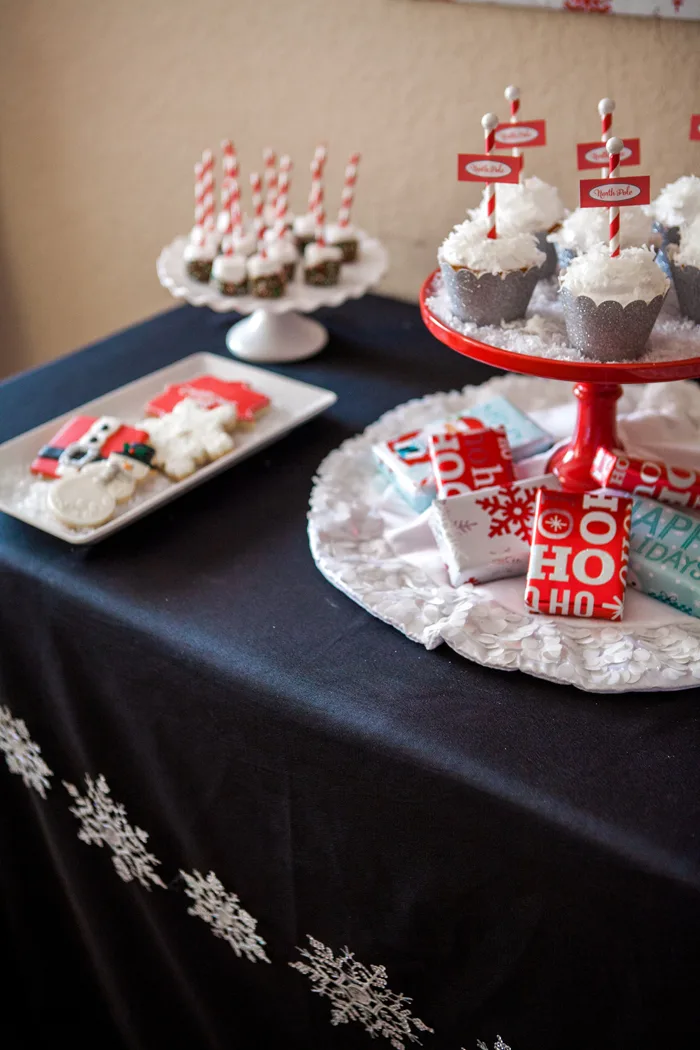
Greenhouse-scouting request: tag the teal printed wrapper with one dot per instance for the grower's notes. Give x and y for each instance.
(665, 554)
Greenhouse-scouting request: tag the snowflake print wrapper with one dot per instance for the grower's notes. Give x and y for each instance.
(103, 822)
(485, 535)
(579, 555)
(22, 755)
(359, 993)
(223, 912)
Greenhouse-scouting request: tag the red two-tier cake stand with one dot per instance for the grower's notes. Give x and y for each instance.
(597, 388)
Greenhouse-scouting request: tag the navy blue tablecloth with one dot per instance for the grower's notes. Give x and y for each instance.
(522, 858)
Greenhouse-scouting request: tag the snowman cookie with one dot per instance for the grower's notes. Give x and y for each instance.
(190, 436)
(81, 501)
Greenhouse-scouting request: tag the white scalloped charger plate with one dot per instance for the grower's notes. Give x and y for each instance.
(352, 509)
(355, 280)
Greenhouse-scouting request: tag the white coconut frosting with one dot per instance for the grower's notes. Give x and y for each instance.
(262, 266)
(632, 275)
(678, 201)
(305, 225)
(688, 252)
(201, 252)
(316, 253)
(245, 242)
(337, 234)
(586, 227)
(469, 246)
(283, 251)
(532, 206)
(229, 269)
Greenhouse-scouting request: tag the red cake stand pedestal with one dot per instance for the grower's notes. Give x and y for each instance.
(597, 388)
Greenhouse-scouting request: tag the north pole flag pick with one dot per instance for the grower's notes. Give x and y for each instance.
(467, 461)
(472, 167)
(695, 127)
(593, 155)
(579, 554)
(614, 192)
(517, 133)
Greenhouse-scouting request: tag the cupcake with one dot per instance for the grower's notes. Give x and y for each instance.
(684, 260)
(266, 277)
(322, 263)
(283, 251)
(585, 228)
(230, 274)
(678, 203)
(200, 252)
(611, 304)
(489, 280)
(343, 236)
(531, 206)
(304, 229)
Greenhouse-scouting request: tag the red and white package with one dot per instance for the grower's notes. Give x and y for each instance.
(468, 460)
(579, 554)
(209, 392)
(647, 477)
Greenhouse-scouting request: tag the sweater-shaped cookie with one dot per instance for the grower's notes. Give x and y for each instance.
(190, 436)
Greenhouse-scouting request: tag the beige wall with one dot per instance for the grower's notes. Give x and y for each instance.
(105, 106)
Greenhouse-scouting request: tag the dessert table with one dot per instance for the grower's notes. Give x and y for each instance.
(522, 858)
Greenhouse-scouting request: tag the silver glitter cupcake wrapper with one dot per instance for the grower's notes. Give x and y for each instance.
(489, 298)
(686, 280)
(609, 331)
(548, 267)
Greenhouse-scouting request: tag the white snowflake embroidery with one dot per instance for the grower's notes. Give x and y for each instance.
(359, 993)
(104, 823)
(22, 755)
(498, 1045)
(224, 914)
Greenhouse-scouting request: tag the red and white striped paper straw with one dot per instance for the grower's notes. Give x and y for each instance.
(321, 156)
(281, 204)
(320, 217)
(229, 159)
(348, 194)
(199, 202)
(606, 108)
(208, 220)
(227, 194)
(258, 208)
(614, 147)
(236, 213)
(316, 174)
(512, 94)
(489, 123)
(270, 161)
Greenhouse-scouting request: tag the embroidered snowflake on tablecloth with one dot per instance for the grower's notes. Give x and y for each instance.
(103, 823)
(498, 1045)
(223, 912)
(22, 755)
(510, 511)
(359, 993)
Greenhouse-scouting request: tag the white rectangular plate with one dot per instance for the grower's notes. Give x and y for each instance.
(23, 495)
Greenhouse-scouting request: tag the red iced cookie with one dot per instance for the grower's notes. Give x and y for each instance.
(210, 391)
(84, 439)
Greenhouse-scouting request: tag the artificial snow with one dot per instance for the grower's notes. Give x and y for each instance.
(469, 246)
(678, 202)
(542, 333)
(532, 206)
(627, 278)
(688, 254)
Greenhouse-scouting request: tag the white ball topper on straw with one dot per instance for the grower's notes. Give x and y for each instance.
(606, 108)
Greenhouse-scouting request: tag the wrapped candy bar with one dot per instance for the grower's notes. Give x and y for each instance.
(465, 461)
(406, 459)
(485, 535)
(579, 554)
(645, 477)
(665, 554)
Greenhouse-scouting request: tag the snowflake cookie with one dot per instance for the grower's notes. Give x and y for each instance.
(190, 436)
(22, 755)
(103, 823)
(359, 993)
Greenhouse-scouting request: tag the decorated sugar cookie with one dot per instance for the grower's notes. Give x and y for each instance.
(81, 501)
(190, 436)
(83, 440)
(209, 391)
(120, 474)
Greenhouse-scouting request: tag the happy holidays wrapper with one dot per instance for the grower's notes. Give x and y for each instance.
(485, 535)
(652, 479)
(406, 458)
(665, 554)
(579, 554)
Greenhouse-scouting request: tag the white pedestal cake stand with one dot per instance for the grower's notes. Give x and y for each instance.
(275, 331)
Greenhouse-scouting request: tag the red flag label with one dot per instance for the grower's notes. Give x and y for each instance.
(614, 193)
(695, 127)
(523, 134)
(477, 167)
(595, 155)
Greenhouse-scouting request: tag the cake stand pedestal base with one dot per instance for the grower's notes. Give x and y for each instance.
(595, 425)
(267, 338)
